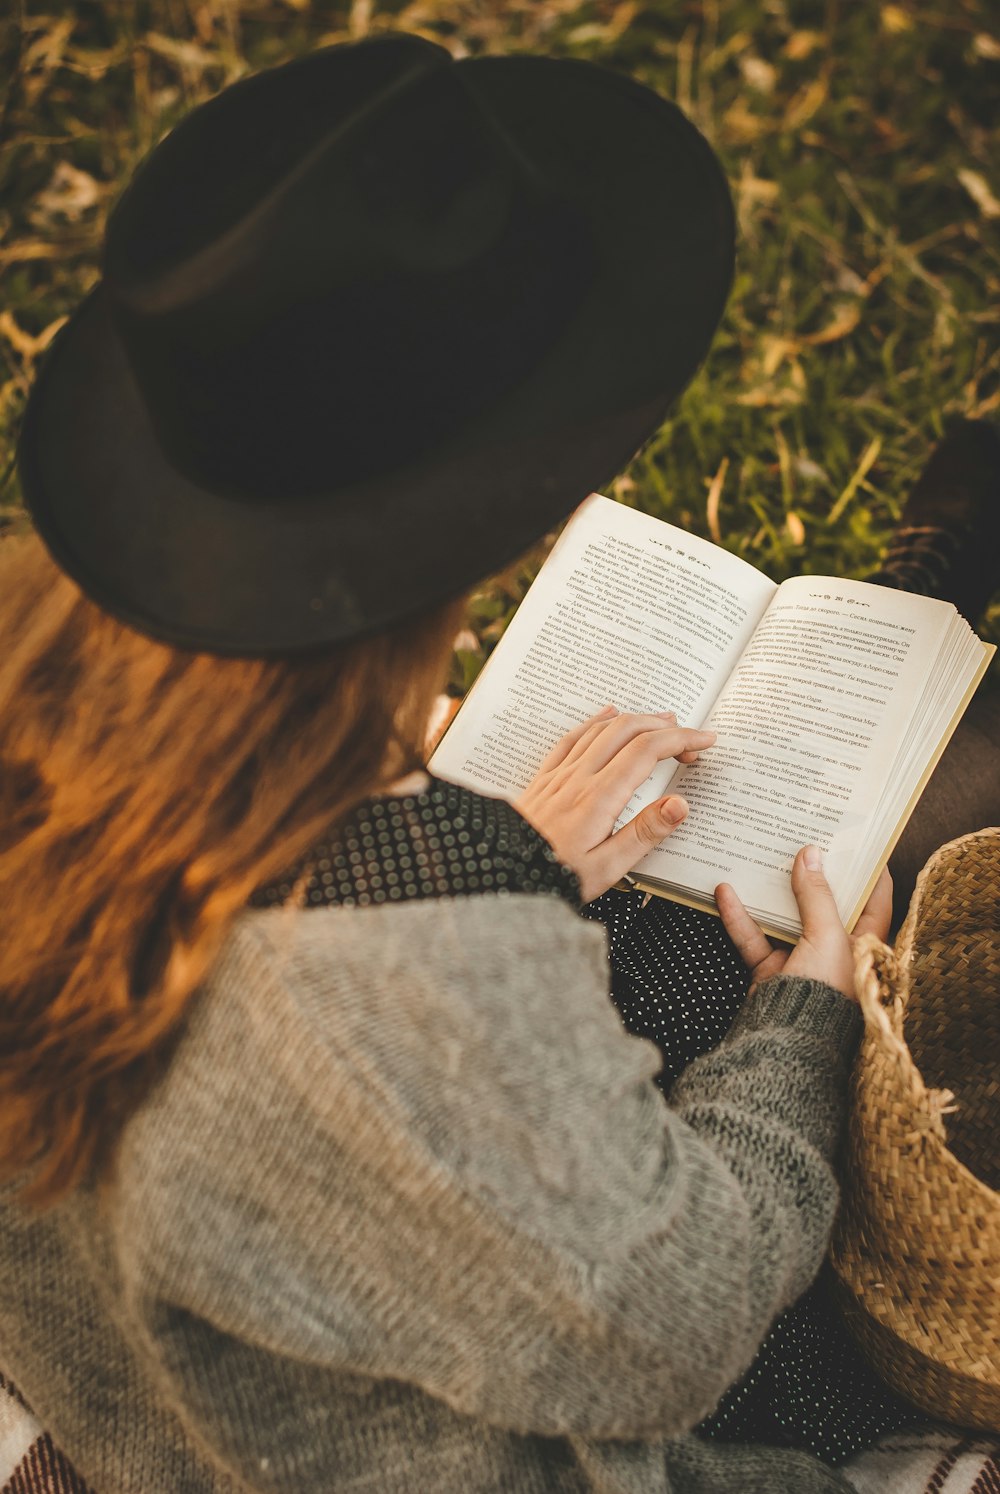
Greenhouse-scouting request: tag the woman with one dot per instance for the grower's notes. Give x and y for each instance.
(380, 1198)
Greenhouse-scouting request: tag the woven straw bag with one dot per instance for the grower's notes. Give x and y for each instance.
(916, 1248)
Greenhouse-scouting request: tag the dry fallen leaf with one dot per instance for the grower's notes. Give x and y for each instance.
(186, 54)
(26, 343)
(712, 501)
(94, 62)
(987, 46)
(775, 351)
(985, 406)
(801, 43)
(896, 19)
(843, 323)
(740, 126)
(758, 74)
(757, 188)
(759, 399)
(980, 193)
(43, 56)
(795, 527)
(623, 16)
(69, 194)
(810, 470)
(360, 18)
(22, 250)
(804, 104)
(589, 31)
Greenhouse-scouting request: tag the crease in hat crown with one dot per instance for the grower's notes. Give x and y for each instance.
(199, 272)
(409, 225)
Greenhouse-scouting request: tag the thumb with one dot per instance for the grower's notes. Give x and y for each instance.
(657, 820)
(817, 906)
(643, 833)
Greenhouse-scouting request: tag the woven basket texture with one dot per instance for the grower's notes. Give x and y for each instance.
(916, 1248)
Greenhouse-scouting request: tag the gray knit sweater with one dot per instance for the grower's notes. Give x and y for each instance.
(407, 1215)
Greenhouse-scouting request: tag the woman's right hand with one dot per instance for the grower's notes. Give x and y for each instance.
(586, 781)
(826, 950)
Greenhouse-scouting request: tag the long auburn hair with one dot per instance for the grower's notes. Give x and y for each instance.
(145, 793)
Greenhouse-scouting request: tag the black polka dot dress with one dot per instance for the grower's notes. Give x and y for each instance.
(677, 980)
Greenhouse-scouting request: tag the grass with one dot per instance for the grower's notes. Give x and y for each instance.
(862, 142)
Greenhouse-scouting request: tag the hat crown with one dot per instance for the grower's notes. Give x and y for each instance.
(330, 265)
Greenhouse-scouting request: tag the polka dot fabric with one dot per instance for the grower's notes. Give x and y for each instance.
(676, 980)
(444, 842)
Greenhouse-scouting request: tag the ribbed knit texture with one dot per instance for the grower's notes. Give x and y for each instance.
(408, 1213)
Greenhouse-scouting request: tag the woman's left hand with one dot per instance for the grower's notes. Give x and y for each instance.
(825, 950)
(588, 778)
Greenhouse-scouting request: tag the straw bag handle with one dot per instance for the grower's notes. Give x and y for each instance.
(877, 984)
(876, 979)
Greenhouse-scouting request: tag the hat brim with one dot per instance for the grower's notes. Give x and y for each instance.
(205, 572)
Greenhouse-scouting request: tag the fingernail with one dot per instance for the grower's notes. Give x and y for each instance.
(608, 710)
(812, 858)
(673, 809)
(667, 715)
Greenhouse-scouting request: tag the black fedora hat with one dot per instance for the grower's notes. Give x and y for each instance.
(369, 324)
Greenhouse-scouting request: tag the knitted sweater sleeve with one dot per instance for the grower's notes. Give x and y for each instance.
(422, 1149)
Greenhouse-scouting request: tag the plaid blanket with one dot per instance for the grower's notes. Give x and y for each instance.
(940, 1461)
(30, 1462)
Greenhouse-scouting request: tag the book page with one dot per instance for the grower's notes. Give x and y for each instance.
(626, 610)
(809, 721)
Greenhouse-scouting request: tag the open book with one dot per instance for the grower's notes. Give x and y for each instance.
(832, 700)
